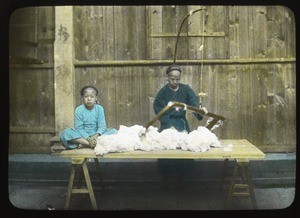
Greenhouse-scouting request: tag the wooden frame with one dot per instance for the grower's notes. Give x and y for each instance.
(242, 151)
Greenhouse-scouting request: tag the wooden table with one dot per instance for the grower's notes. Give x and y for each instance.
(242, 151)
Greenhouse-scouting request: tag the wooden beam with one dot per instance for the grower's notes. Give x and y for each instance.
(32, 129)
(31, 66)
(185, 62)
(206, 34)
(29, 150)
(64, 71)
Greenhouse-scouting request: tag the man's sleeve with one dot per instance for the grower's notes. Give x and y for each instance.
(158, 105)
(193, 100)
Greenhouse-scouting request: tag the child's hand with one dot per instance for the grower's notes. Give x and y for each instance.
(92, 142)
(95, 136)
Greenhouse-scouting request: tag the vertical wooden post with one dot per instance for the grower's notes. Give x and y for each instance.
(64, 68)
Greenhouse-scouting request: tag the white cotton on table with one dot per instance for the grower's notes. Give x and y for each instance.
(151, 140)
(201, 140)
(171, 139)
(138, 138)
(135, 130)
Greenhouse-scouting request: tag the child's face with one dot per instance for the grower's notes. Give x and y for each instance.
(89, 97)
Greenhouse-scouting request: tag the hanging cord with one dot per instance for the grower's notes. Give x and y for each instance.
(201, 94)
(190, 14)
(202, 45)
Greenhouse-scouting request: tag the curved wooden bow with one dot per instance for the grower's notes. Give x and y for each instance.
(173, 104)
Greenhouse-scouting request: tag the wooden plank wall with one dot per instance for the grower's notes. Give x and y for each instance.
(246, 68)
(31, 87)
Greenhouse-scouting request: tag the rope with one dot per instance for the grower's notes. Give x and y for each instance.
(202, 46)
(202, 42)
(178, 34)
(202, 56)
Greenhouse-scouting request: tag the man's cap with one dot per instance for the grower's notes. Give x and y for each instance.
(173, 67)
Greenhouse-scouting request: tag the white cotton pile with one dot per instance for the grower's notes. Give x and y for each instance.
(132, 135)
(201, 140)
(138, 138)
(151, 140)
(127, 139)
(171, 139)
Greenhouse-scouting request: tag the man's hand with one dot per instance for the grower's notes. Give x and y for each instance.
(204, 108)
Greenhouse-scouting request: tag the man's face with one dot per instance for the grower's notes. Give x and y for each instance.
(174, 79)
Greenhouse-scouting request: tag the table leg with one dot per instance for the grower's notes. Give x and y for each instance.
(81, 162)
(70, 186)
(224, 167)
(89, 185)
(80, 175)
(231, 189)
(242, 166)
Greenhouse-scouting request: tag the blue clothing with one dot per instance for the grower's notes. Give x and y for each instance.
(87, 123)
(172, 117)
(177, 119)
